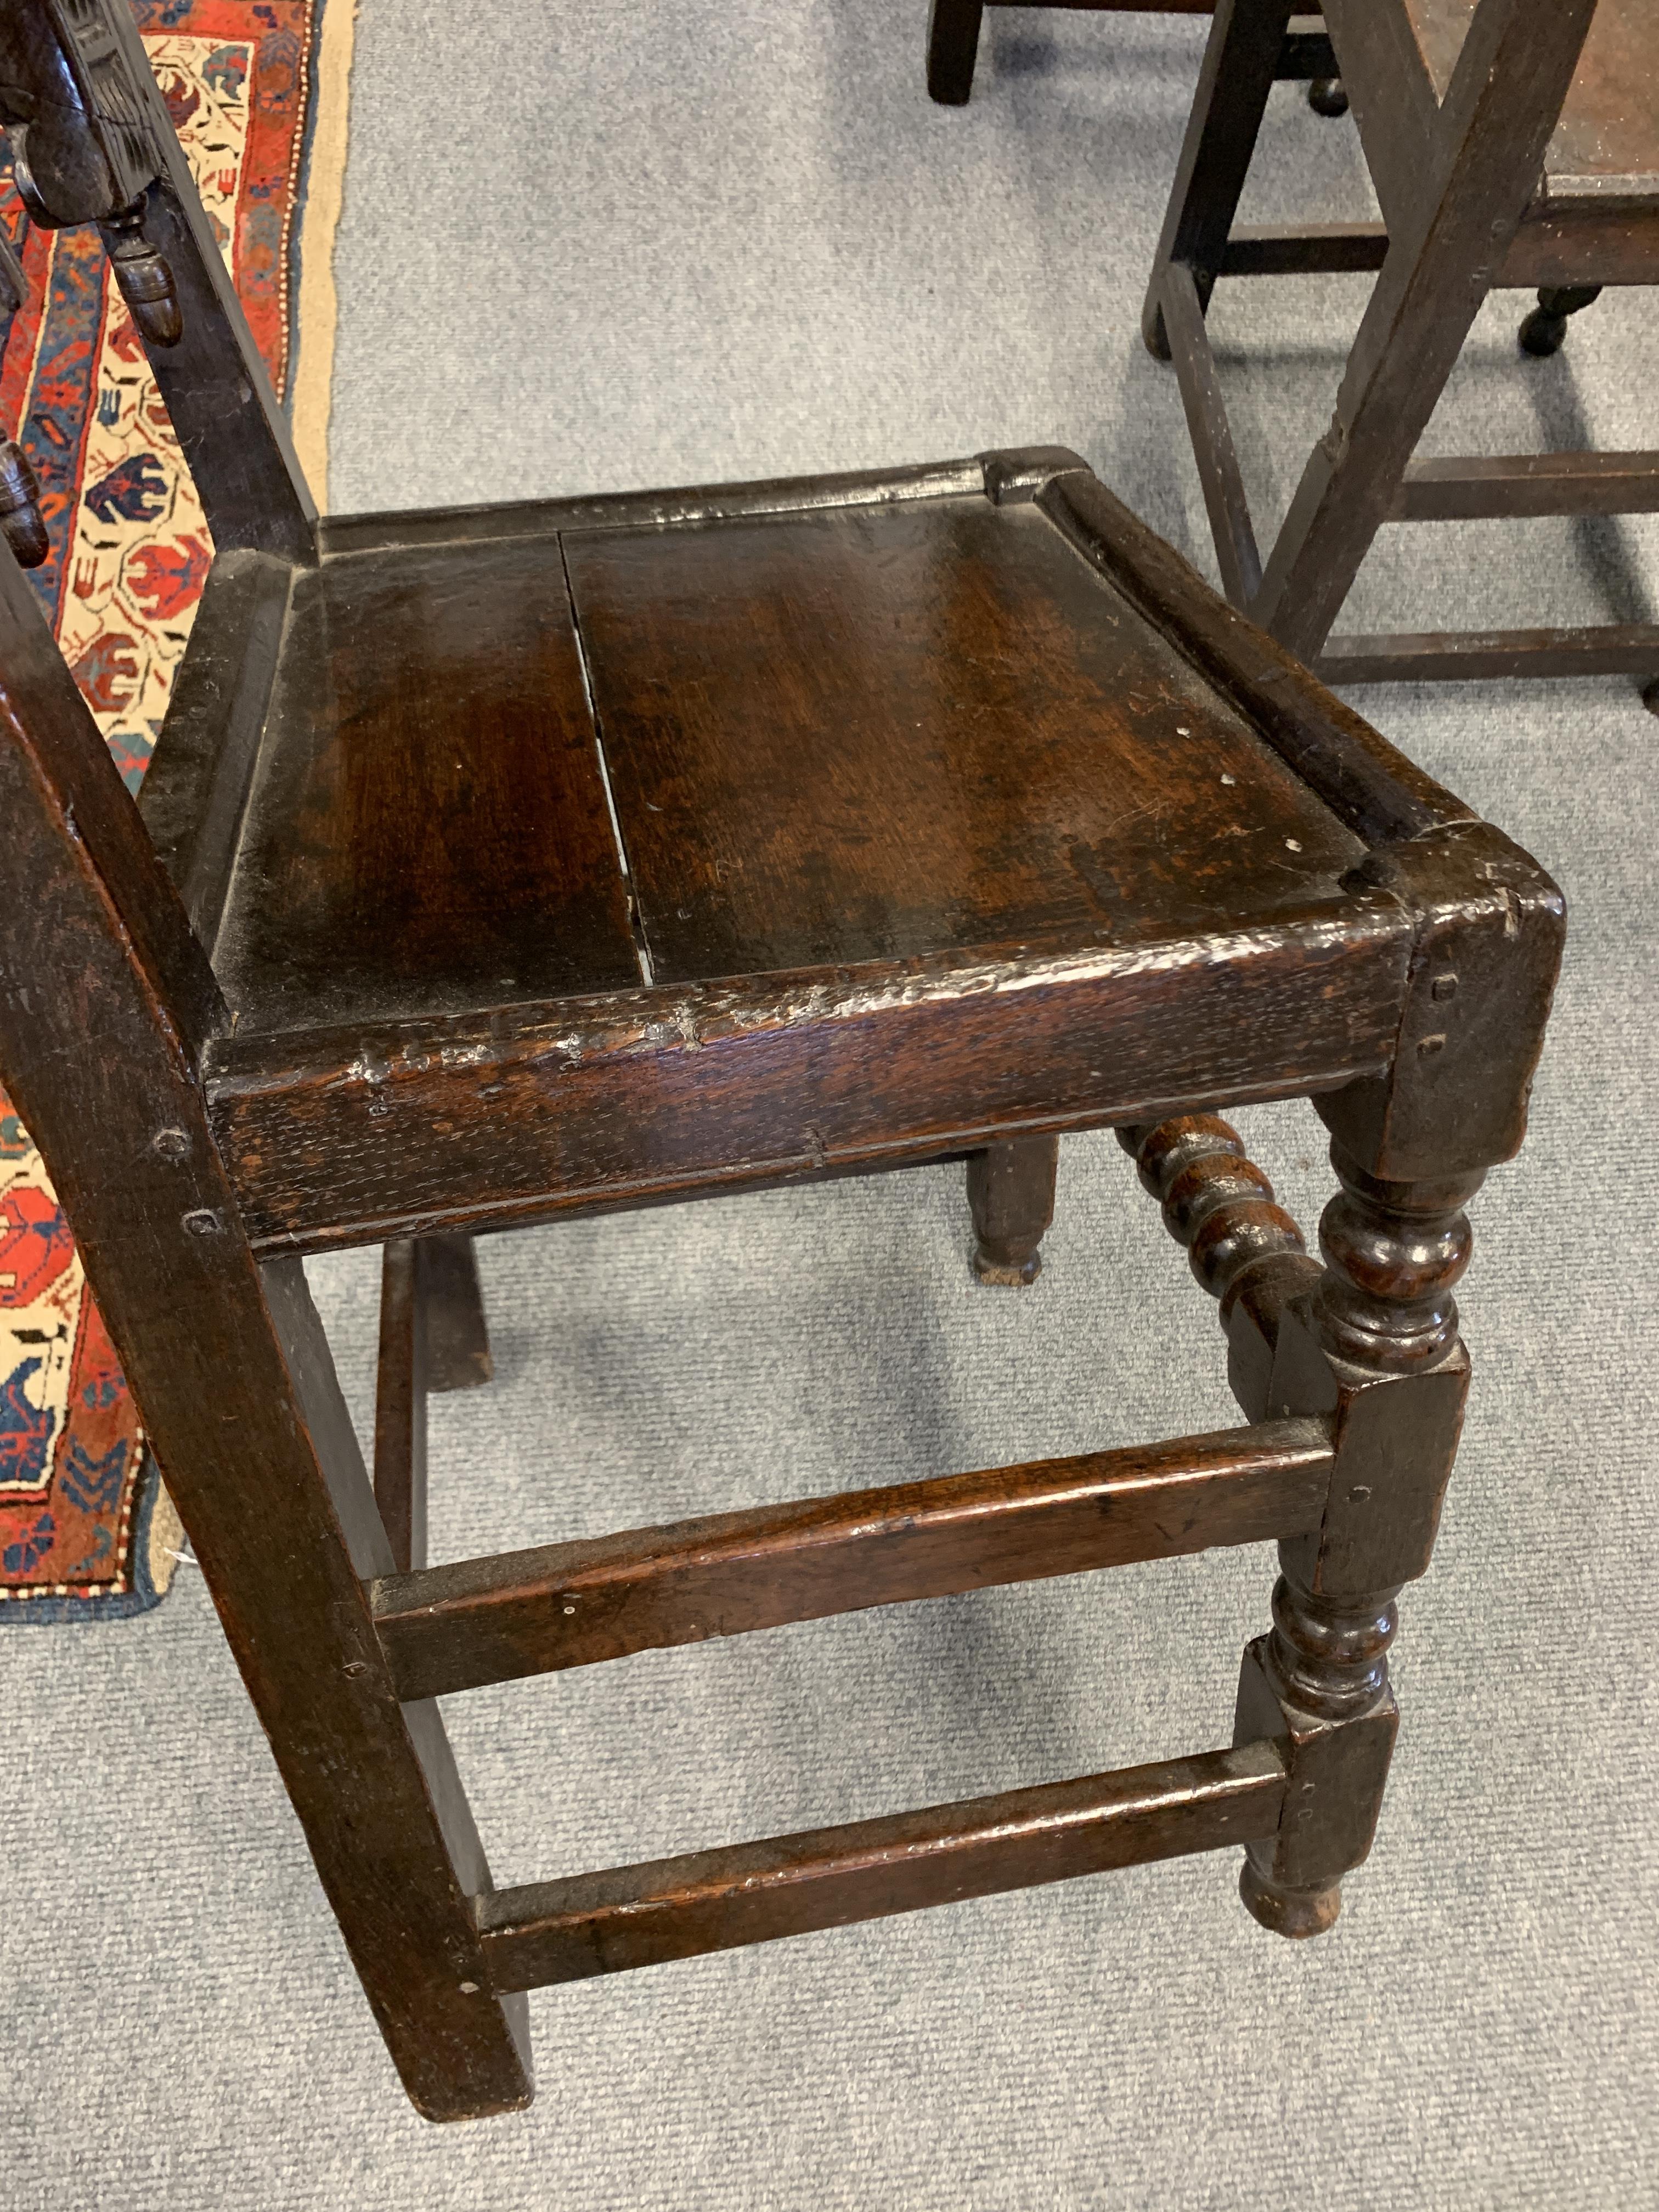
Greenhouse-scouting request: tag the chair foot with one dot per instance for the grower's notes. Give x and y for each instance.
(1650, 697)
(952, 49)
(1545, 327)
(1297, 1913)
(1008, 1276)
(1010, 1191)
(1327, 95)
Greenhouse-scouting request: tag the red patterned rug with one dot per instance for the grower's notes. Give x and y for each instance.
(256, 91)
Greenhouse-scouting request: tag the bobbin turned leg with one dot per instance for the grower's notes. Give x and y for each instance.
(1010, 1191)
(1374, 1348)
(1545, 327)
(1371, 1345)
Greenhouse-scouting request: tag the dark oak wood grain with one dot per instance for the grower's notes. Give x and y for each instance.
(1609, 127)
(428, 829)
(351, 1136)
(1480, 655)
(401, 1384)
(640, 1916)
(457, 1628)
(951, 810)
(1510, 486)
(104, 997)
(820, 731)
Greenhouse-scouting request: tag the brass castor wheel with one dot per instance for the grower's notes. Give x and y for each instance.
(1327, 95)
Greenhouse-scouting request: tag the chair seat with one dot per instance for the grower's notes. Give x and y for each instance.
(570, 855)
(544, 758)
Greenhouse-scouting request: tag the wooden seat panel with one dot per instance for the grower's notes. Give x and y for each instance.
(833, 736)
(427, 829)
(886, 732)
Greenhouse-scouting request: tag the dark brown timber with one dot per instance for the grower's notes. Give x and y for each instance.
(400, 1405)
(638, 1916)
(509, 862)
(457, 1628)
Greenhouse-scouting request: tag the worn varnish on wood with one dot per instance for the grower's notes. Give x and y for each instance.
(590, 853)
(641, 1915)
(613, 851)
(457, 1627)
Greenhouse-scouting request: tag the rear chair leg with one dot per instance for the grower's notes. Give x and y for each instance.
(457, 1335)
(1545, 329)
(433, 1337)
(1011, 1190)
(401, 1382)
(952, 49)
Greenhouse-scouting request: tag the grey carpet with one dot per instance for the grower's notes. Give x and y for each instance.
(676, 242)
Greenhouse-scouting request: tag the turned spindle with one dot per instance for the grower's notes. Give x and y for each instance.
(1244, 1248)
(1217, 1203)
(1385, 1317)
(1393, 1253)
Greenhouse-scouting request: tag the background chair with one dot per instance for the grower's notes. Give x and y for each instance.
(953, 28)
(1508, 144)
(506, 863)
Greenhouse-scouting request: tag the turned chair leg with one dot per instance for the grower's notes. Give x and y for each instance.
(952, 49)
(1369, 1345)
(1545, 327)
(1011, 1190)
(1327, 95)
(1375, 1348)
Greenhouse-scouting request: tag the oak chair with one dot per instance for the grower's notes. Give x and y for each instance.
(953, 29)
(1510, 143)
(506, 863)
